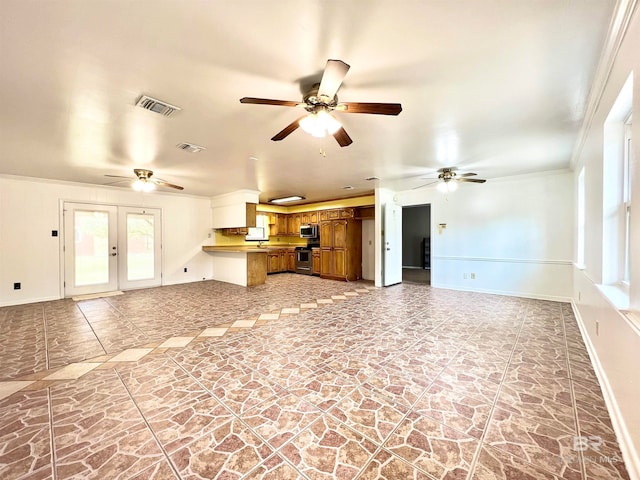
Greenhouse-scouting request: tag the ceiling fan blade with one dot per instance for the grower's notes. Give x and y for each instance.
(467, 174)
(267, 101)
(474, 180)
(425, 185)
(119, 176)
(334, 73)
(164, 183)
(288, 130)
(342, 137)
(375, 108)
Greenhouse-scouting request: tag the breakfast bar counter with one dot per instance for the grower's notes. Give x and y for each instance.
(245, 266)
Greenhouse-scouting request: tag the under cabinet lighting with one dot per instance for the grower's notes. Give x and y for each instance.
(292, 198)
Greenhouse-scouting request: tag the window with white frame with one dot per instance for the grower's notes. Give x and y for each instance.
(616, 192)
(626, 197)
(580, 222)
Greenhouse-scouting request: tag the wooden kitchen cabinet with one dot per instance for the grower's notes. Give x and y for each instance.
(273, 262)
(315, 261)
(313, 217)
(282, 224)
(341, 249)
(291, 261)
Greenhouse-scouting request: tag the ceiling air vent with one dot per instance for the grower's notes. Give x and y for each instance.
(190, 147)
(158, 106)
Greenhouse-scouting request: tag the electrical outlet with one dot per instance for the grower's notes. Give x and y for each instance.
(464, 276)
(185, 269)
(17, 286)
(473, 276)
(597, 328)
(579, 296)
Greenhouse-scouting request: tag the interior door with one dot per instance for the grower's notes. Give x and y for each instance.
(392, 252)
(139, 242)
(90, 246)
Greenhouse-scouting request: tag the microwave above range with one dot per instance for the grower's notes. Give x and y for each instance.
(308, 231)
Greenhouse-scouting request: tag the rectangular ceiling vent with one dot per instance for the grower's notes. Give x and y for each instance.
(158, 106)
(190, 147)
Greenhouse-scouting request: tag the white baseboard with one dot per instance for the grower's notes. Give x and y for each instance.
(630, 456)
(534, 296)
(30, 300)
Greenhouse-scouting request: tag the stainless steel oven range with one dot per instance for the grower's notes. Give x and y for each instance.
(304, 260)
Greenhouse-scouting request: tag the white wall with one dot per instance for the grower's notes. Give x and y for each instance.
(614, 340)
(30, 210)
(368, 250)
(515, 234)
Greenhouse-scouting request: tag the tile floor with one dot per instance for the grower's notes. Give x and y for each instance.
(319, 380)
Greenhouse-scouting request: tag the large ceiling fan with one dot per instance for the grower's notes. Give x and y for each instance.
(144, 181)
(447, 179)
(320, 101)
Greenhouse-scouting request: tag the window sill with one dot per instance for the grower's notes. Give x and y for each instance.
(617, 294)
(580, 266)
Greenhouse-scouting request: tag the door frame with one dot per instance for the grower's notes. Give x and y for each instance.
(62, 233)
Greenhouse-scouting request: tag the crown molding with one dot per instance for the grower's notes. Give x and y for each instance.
(620, 20)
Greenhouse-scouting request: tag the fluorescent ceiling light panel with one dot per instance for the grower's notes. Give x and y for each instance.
(292, 198)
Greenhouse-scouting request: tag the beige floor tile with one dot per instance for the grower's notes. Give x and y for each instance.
(269, 316)
(338, 297)
(72, 371)
(9, 388)
(213, 332)
(131, 355)
(322, 301)
(308, 305)
(351, 294)
(290, 310)
(243, 324)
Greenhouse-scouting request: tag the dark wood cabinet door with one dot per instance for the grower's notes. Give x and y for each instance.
(315, 268)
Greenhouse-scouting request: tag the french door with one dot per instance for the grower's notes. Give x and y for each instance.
(109, 248)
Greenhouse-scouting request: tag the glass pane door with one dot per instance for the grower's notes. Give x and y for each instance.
(140, 238)
(90, 248)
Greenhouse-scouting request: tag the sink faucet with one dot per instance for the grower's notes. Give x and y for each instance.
(260, 244)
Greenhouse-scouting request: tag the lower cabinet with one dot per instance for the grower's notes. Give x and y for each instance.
(281, 261)
(273, 262)
(315, 262)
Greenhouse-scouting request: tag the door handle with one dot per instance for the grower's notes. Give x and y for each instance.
(388, 249)
(113, 254)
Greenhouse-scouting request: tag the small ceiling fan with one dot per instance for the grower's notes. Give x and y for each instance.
(144, 181)
(320, 101)
(447, 179)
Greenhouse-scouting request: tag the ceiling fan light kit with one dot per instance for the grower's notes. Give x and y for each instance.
(320, 101)
(448, 179)
(319, 124)
(143, 186)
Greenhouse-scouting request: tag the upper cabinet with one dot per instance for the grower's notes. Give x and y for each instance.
(234, 210)
(288, 224)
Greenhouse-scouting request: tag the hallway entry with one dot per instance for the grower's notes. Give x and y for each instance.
(416, 244)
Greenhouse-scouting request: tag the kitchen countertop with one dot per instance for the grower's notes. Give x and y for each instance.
(244, 248)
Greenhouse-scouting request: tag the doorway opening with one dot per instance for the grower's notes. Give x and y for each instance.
(108, 248)
(416, 244)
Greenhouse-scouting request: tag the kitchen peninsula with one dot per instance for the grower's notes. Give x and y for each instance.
(245, 266)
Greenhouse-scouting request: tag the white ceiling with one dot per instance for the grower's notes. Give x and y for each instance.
(498, 88)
